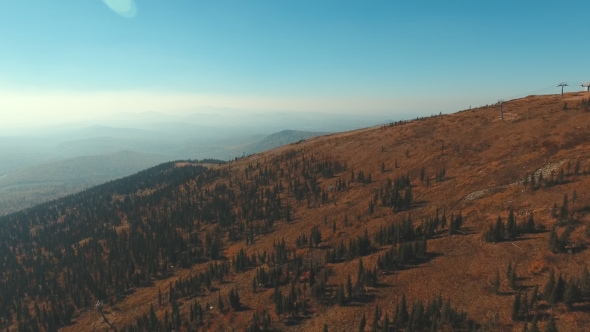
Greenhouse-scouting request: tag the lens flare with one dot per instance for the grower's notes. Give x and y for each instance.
(125, 8)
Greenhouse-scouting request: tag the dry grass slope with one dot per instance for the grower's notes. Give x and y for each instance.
(482, 154)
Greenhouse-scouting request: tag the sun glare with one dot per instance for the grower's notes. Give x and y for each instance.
(125, 8)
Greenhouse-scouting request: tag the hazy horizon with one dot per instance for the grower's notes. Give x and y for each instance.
(75, 61)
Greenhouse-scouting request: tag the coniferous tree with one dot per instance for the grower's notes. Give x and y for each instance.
(497, 283)
(534, 297)
(511, 226)
(551, 326)
(564, 239)
(385, 324)
(349, 290)
(524, 305)
(513, 278)
(559, 289)
(571, 294)
(534, 323)
(403, 315)
(220, 302)
(548, 291)
(422, 174)
(515, 307)
(363, 323)
(375, 324)
(574, 197)
(530, 225)
(340, 297)
(564, 210)
(554, 243)
(234, 299)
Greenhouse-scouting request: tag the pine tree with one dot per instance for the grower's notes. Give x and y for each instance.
(497, 283)
(340, 298)
(554, 243)
(403, 315)
(564, 210)
(524, 305)
(349, 290)
(511, 225)
(549, 287)
(530, 225)
(564, 238)
(385, 325)
(534, 327)
(513, 278)
(559, 289)
(551, 326)
(311, 275)
(363, 324)
(498, 232)
(570, 296)
(534, 297)
(219, 302)
(375, 325)
(574, 197)
(515, 307)
(422, 173)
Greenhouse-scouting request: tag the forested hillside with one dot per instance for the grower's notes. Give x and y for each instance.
(460, 222)
(103, 158)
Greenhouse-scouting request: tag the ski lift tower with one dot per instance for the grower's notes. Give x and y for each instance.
(586, 86)
(501, 104)
(562, 84)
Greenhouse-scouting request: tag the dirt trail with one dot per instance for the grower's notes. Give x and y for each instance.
(545, 170)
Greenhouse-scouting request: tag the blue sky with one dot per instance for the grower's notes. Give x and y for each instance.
(73, 59)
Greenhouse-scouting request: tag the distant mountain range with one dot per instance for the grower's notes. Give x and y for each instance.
(122, 152)
(44, 163)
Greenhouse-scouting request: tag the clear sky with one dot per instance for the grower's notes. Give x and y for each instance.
(71, 59)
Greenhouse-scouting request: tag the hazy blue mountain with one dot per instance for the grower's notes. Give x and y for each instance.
(38, 183)
(281, 138)
(42, 163)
